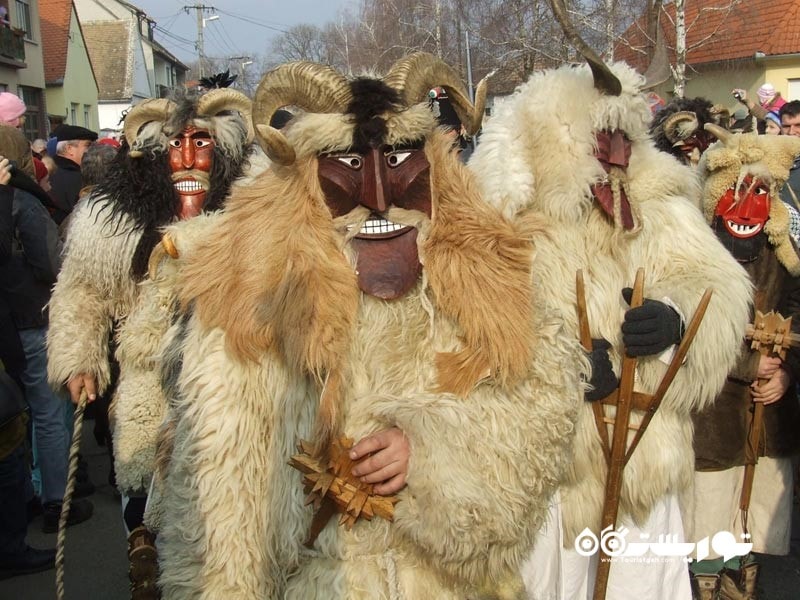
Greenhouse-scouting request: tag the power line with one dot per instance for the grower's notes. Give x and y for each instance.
(252, 21)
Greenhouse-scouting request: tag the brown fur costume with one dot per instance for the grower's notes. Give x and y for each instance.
(275, 320)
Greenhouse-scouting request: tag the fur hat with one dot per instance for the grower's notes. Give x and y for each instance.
(11, 107)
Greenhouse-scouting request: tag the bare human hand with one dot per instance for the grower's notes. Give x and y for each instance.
(77, 383)
(387, 463)
(768, 366)
(773, 390)
(5, 171)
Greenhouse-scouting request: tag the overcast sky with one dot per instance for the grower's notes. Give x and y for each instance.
(244, 27)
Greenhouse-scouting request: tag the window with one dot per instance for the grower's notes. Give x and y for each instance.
(24, 17)
(34, 124)
(86, 109)
(794, 90)
(73, 113)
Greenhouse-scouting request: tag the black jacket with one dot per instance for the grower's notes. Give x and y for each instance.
(26, 279)
(66, 183)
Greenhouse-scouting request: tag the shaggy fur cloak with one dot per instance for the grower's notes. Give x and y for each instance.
(275, 320)
(536, 159)
(108, 244)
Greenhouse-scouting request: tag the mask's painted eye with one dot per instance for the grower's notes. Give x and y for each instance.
(395, 159)
(175, 143)
(201, 143)
(761, 189)
(351, 160)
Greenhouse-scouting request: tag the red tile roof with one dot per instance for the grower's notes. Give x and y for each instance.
(55, 16)
(717, 31)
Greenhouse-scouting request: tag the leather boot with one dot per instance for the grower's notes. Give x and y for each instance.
(143, 559)
(739, 584)
(705, 586)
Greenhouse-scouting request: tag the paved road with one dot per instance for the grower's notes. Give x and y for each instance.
(96, 561)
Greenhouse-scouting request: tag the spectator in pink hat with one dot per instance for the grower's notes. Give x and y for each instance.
(769, 100)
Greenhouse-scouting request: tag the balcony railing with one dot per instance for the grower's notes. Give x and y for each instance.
(12, 46)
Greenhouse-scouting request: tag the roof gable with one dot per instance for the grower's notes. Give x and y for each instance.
(55, 20)
(718, 31)
(108, 43)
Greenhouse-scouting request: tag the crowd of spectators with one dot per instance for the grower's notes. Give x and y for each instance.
(40, 184)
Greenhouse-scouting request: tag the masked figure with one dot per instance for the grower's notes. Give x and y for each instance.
(178, 159)
(571, 146)
(678, 128)
(743, 175)
(359, 284)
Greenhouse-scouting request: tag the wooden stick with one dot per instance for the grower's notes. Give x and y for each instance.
(618, 444)
(586, 342)
(672, 370)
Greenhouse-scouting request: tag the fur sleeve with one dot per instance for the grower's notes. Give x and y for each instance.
(483, 469)
(686, 259)
(93, 287)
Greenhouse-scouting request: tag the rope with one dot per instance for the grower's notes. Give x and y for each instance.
(65, 505)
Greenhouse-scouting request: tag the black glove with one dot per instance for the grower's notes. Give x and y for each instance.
(603, 380)
(650, 328)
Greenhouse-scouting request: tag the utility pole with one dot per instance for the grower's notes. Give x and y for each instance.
(200, 26)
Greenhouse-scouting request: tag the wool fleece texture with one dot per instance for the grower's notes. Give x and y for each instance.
(97, 288)
(273, 318)
(536, 159)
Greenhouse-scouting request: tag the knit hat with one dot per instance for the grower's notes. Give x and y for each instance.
(773, 116)
(766, 92)
(11, 107)
(65, 133)
(52, 145)
(39, 168)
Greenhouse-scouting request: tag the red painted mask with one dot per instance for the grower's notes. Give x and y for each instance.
(191, 155)
(745, 211)
(388, 264)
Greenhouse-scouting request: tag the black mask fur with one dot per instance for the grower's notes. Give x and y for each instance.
(699, 106)
(371, 99)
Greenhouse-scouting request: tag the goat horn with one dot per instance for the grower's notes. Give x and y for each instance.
(311, 86)
(214, 102)
(141, 114)
(604, 79)
(678, 126)
(722, 134)
(415, 75)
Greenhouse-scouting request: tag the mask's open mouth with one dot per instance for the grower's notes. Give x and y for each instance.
(376, 227)
(188, 186)
(741, 230)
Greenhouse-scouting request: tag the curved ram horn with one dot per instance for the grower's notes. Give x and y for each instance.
(722, 134)
(679, 126)
(604, 79)
(415, 75)
(141, 114)
(214, 102)
(311, 86)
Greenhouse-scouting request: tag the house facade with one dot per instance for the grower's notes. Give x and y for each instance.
(730, 45)
(71, 92)
(129, 64)
(22, 62)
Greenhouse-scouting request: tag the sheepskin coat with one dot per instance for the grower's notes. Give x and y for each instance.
(95, 288)
(483, 466)
(536, 158)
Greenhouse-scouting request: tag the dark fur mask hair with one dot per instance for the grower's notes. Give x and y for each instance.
(371, 99)
(699, 106)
